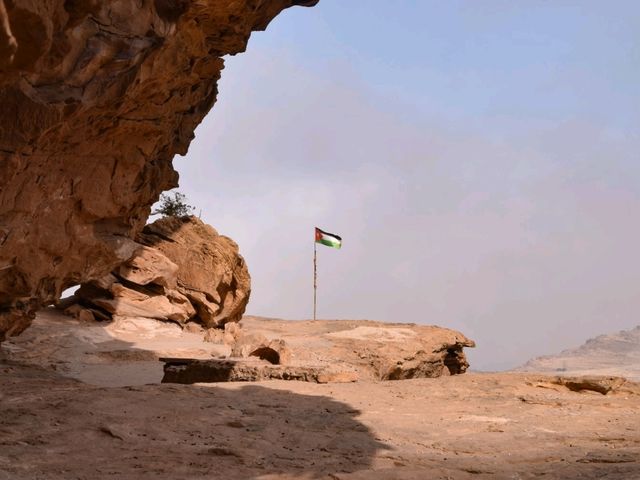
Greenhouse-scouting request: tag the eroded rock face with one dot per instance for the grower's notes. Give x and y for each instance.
(329, 351)
(181, 370)
(97, 98)
(212, 274)
(367, 349)
(181, 270)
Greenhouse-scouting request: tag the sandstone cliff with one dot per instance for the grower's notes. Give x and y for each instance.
(97, 98)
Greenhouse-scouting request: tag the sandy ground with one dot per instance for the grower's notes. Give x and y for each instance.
(471, 426)
(107, 354)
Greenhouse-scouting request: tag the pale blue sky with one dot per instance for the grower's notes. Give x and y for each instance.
(486, 60)
(480, 159)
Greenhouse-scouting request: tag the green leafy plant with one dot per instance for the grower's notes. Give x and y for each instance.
(173, 205)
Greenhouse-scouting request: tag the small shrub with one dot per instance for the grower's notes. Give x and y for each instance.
(173, 205)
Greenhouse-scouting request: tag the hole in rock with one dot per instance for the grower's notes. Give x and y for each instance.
(452, 362)
(268, 354)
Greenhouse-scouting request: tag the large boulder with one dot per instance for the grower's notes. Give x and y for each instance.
(181, 270)
(211, 272)
(97, 97)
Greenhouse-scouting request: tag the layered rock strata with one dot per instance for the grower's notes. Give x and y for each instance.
(97, 98)
(328, 351)
(186, 371)
(181, 270)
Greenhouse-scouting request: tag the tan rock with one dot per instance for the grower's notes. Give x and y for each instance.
(193, 328)
(73, 310)
(97, 98)
(594, 383)
(211, 272)
(149, 265)
(247, 343)
(232, 332)
(205, 280)
(80, 313)
(184, 370)
(374, 350)
(336, 375)
(103, 283)
(127, 302)
(86, 315)
(214, 335)
(207, 310)
(257, 345)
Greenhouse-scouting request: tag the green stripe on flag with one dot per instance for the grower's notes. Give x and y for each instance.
(330, 242)
(328, 239)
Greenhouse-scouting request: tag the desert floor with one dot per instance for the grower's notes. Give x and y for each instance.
(471, 426)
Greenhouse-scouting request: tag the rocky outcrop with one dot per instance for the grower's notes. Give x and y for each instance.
(181, 370)
(97, 98)
(326, 351)
(181, 270)
(603, 385)
(254, 348)
(273, 351)
(614, 354)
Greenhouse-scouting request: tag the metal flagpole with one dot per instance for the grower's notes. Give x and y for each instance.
(315, 277)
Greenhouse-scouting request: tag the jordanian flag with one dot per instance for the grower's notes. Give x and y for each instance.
(328, 239)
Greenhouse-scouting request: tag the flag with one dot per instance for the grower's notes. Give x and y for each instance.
(328, 239)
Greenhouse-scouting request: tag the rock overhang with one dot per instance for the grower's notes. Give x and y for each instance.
(98, 97)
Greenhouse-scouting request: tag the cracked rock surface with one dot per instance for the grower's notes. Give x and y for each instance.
(97, 98)
(182, 271)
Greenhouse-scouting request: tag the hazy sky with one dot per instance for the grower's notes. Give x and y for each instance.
(479, 158)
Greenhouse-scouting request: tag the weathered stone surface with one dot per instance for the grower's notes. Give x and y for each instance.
(197, 266)
(148, 265)
(256, 345)
(97, 98)
(85, 315)
(127, 302)
(598, 384)
(212, 274)
(360, 349)
(180, 370)
(375, 350)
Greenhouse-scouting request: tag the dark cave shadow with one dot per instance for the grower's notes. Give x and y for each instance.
(171, 431)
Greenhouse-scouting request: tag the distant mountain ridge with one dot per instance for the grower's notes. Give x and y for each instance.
(609, 354)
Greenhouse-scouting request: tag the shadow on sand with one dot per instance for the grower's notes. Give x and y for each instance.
(52, 427)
